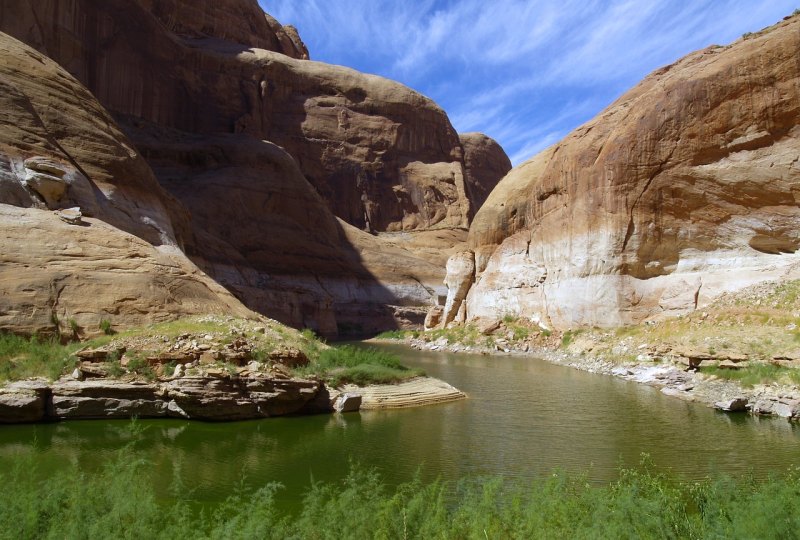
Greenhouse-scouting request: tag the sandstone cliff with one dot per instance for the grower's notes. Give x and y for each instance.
(200, 87)
(60, 149)
(685, 187)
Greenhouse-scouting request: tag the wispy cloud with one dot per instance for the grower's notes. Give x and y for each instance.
(525, 72)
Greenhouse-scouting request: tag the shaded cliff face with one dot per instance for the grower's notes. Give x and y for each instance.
(382, 156)
(685, 187)
(60, 149)
(485, 164)
(199, 87)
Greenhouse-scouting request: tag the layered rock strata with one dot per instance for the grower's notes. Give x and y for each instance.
(200, 95)
(685, 187)
(88, 233)
(210, 398)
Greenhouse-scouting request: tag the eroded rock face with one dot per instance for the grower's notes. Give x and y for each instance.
(685, 187)
(381, 155)
(460, 276)
(53, 271)
(485, 164)
(111, 248)
(200, 94)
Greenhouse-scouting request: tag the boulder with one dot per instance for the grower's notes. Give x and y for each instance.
(347, 402)
(433, 319)
(735, 404)
(291, 357)
(24, 401)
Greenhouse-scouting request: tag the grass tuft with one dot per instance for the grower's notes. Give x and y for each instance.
(360, 366)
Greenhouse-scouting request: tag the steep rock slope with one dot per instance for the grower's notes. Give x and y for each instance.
(683, 188)
(384, 157)
(60, 149)
(198, 95)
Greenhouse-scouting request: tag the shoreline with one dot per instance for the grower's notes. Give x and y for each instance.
(672, 376)
(212, 399)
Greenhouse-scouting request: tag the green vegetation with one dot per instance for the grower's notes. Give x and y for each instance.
(566, 338)
(22, 357)
(756, 373)
(105, 327)
(465, 334)
(119, 503)
(398, 334)
(348, 364)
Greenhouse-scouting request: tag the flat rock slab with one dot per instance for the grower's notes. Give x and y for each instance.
(416, 392)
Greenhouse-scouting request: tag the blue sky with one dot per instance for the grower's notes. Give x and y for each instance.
(523, 72)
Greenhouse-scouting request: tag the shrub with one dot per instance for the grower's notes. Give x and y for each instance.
(361, 366)
(119, 502)
(105, 327)
(22, 357)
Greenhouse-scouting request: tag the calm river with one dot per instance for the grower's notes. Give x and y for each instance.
(524, 418)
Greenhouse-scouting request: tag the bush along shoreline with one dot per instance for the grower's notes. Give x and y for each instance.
(119, 502)
(206, 368)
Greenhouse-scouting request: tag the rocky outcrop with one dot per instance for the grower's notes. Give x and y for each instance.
(237, 21)
(215, 397)
(460, 275)
(111, 250)
(414, 393)
(52, 272)
(685, 187)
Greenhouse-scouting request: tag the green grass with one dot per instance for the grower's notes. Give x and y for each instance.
(22, 357)
(398, 334)
(757, 373)
(105, 327)
(361, 366)
(119, 502)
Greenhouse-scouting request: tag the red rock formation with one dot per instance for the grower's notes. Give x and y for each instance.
(198, 86)
(685, 187)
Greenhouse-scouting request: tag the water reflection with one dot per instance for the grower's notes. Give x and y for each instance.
(524, 418)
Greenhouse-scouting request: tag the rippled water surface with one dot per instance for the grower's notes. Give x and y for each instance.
(524, 418)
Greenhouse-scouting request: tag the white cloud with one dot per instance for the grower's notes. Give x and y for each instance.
(515, 69)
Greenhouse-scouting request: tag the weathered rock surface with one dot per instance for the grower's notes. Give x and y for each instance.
(460, 275)
(485, 164)
(199, 96)
(214, 397)
(685, 187)
(111, 249)
(382, 156)
(51, 271)
(24, 401)
(413, 393)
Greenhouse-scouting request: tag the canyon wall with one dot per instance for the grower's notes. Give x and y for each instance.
(685, 187)
(274, 165)
(118, 257)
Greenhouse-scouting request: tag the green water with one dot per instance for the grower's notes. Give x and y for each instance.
(524, 418)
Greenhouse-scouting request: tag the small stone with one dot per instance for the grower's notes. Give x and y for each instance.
(72, 215)
(77, 374)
